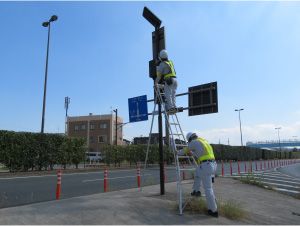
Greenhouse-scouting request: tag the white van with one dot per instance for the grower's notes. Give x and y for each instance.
(93, 156)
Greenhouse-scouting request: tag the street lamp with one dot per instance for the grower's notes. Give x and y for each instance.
(239, 110)
(278, 128)
(46, 24)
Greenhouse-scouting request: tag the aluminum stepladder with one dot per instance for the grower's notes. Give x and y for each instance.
(177, 141)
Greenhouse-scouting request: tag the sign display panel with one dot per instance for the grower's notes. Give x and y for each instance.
(203, 99)
(138, 108)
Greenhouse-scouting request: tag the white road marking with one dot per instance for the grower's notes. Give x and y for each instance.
(66, 174)
(112, 178)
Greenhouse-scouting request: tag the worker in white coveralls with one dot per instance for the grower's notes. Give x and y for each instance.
(207, 166)
(166, 75)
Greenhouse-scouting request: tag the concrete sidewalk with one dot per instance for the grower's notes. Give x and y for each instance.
(131, 207)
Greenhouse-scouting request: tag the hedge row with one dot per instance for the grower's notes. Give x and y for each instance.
(21, 151)
(133, 154)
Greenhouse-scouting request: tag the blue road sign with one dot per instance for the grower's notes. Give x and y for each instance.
(138, 108)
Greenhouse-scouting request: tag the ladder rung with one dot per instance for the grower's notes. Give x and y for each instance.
(177, 134)
(187, 169)
(174, 123)
(184, 157)
(181, 145)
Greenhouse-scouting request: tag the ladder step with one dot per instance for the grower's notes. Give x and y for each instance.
(187, 169)
(177, 134)
(174, 123)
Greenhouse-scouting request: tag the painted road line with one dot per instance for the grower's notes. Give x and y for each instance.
(67, 174)
(112, 178)
(286, 190)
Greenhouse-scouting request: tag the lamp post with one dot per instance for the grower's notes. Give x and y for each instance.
(116, 111)
(278, 128)
(239, 110)
(46, 24)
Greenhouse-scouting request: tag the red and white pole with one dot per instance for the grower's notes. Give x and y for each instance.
(260, 164)
(139, 176)
(222, 169)
(105, 180)
(58, 185)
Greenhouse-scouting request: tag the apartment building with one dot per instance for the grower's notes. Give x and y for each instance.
(98, 130)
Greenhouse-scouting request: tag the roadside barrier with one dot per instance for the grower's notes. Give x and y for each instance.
(250, 166)
(58, 185)
(245, 167)
(230, 168)
(239, 171)
(105, 180)
(139, 176)
(255, 165)
(268, 164)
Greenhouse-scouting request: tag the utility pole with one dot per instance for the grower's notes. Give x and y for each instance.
(156, 22)
(67, 102)
(116, 111)
(278, 128)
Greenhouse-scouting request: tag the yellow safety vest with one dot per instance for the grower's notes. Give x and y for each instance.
(173, 73)
(208, 150)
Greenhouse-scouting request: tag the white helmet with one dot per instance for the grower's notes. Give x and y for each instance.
(190, 135)
(163, 54)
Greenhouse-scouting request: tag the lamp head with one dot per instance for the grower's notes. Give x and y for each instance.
(45, 24)
(53, 18)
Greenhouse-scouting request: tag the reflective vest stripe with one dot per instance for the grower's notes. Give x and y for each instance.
(172, 74)
(208, 150)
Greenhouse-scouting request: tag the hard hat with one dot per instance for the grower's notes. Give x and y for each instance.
(163, 54)
(189, 135)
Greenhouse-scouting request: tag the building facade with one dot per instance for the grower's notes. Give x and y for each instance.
(98, 130)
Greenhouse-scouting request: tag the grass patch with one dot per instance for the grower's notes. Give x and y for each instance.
(229, 209)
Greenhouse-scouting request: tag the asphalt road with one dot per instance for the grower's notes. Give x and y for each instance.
(292, 170)
(17, 191)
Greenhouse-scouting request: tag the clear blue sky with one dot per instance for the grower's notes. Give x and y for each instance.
(99, 55)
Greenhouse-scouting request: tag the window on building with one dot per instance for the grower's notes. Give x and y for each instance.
(76, 128)
(92, 126)
(83, 127)
(103, 125)
(102, 139)
(92, 140)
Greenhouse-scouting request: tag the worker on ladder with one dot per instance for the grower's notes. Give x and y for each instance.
(207, 166)
(166, 75)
